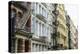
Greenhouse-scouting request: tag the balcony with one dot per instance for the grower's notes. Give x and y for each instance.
(25, 32)
(41, 17)
(43, 38)
(26, 29)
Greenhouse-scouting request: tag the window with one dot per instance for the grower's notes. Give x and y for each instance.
(26, 45)
(40, 9)
(33, 7)
(32, 47)
(36, 27)
(43, 12)
(36, 47)
(37, 8)
(42, 48)
(20, 45)
(46, 15)
(43, 29)
(33, 24)
(46, 31)
(39, 29)
(39, 47)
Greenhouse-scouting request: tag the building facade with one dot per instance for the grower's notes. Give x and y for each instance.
(40, 27)
(74, 35)
(32, 26)
(62, 36)
(68, 26)
(20, 32)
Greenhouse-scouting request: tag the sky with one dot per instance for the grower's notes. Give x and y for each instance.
(72, 11)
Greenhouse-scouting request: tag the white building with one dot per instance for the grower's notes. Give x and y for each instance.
(41, 21)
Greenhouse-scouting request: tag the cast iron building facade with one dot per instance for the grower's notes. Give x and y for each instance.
(39, 27)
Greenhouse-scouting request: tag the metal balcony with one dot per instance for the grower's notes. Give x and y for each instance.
(26, 29)
(25, 32)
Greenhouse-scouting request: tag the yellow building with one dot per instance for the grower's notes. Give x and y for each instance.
(62, 37)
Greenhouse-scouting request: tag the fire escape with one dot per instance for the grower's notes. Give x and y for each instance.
(24, 25)
(55, 34)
